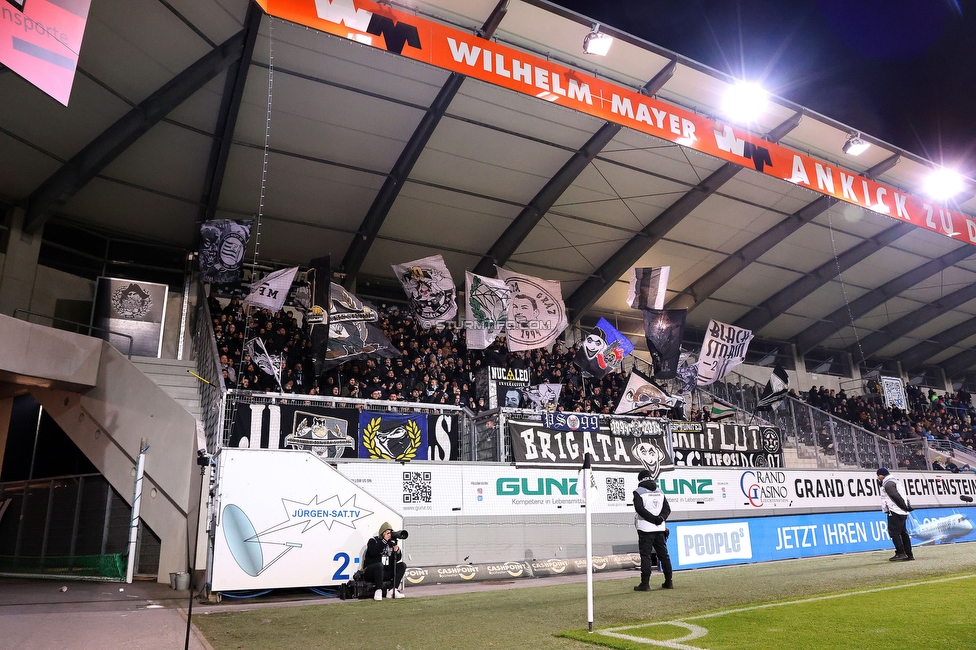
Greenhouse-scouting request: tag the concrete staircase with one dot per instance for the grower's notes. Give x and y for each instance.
(175, 379)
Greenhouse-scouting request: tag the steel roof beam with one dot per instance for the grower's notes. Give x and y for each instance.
(625, 257)
(778, 303)
(921, 352)
(230, 106)
(960, 363)
(874, 342)
(523, 224)
(60, 187)
(844, 316)
(355, 255)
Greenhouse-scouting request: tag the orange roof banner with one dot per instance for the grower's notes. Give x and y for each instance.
(448, 48)
(40, 41)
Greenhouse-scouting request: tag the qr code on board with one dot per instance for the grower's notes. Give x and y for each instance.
(615, 489)
(416, 487)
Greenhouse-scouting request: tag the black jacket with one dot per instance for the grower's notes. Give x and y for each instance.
(377, 547)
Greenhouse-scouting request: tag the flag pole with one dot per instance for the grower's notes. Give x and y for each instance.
(587, 476)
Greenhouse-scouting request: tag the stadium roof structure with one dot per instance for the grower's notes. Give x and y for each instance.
(479, 130)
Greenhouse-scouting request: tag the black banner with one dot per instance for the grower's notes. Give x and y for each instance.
(535, 446)
(329, 432)
(720, 444)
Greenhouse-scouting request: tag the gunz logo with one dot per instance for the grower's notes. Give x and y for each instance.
(344, 12)
(727, 142)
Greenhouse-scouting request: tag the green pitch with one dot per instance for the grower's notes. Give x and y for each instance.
(844, 601)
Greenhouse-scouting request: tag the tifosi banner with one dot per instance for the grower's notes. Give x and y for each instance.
(535, 446)
(721, 444)
(416, 38)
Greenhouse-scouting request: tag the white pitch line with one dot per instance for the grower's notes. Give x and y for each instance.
(696, 632)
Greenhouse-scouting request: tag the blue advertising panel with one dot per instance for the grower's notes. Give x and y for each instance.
(720, 542)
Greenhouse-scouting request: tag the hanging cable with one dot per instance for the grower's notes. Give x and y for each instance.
(843, 286)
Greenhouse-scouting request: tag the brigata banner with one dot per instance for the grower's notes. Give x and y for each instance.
(533, 445)
(411, 36)
(721, 444)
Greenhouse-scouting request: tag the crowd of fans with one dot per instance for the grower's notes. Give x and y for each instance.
(435, 367)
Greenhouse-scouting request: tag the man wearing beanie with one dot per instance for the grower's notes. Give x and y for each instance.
(897, 509)
(652, 533)
(382, 562)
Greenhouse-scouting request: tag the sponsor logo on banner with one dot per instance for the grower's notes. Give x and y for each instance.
(713, 542)
(392, 436)
(562, 421)
(415, 575)
(462, 571)
(511, 569)
(547, 486)
(762, 488)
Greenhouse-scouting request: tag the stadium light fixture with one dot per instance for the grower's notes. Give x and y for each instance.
(744, 102)
(597, 43)
(855, 146)
(943, 184)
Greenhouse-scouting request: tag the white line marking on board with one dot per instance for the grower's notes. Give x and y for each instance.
(696, 632)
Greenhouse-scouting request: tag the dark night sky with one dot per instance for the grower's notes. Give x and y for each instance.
(903, 71)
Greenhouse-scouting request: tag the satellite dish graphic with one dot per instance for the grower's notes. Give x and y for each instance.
(245, 543)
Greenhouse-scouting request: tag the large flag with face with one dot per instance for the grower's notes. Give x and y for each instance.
(663, 329)
(603, 350)
(641, 394)
(259, 355)
(776, 387)
(270, 292)
(430, 289)
(223, 243)
(724, 348)
(648, 287)
(354, 340)
(536, 311)
(485, 311)
(688, 376)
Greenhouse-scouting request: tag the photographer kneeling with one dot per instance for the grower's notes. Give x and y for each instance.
(382, 562)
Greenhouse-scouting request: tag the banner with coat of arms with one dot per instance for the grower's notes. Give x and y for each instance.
(393, 436)
(129, 311)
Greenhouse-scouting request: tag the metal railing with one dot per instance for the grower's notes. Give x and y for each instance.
(55, 319)
(213, 393)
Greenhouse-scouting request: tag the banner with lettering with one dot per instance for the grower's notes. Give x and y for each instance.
(722, 350)
(446, 47)
(726, 444)
(536, 446)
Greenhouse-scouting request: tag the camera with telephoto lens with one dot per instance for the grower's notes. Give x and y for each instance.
(398, 534)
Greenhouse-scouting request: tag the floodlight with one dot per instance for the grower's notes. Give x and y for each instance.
(744, 102)
(943, 184)
(855, 146)
(597, 43)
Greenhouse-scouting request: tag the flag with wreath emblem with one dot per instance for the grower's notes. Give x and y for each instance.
(393, 436)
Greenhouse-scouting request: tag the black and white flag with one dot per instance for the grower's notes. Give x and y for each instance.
(223, 243)
(315, 300)
(259, 355)
(663, 329)
(347, 308)
(354, 340)
(775, 390)
(688, 376)
(542, 397)
(536, 311)
(641, 394)
(648, 287)
(486, 309)
(724, 348)
(271, 291)
(430, 289)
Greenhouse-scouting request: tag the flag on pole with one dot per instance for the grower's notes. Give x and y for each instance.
(430, 289)
(724, 348)
(688, 376)
(536, 311)
(485, 309)
(319, 281)
(775, 390)
(270, 292)
(602, 351)
(259, 355)
(223, 243)
(642, 394)
(648, 287)
(663, 329)
(721, 411)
